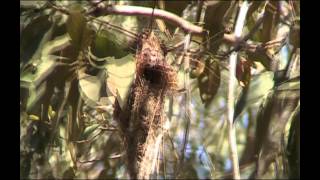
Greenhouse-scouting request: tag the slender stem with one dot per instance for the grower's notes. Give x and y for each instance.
(231, 92)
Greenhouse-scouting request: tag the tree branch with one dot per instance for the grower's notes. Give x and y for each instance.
(144, 11)
(231, 90)
(102, 9)
(239, 41)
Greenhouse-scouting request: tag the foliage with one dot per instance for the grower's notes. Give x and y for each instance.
(75, 66)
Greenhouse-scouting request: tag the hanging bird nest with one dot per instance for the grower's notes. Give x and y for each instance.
(142, 119)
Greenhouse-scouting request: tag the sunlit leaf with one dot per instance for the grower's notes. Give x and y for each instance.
(90, 87)
(34, 117)
(57, 44)
(260, 85)
(120, 73)
(31, 4)
(34, 81)
(51, 112)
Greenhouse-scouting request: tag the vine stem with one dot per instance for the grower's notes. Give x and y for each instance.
(231, 91)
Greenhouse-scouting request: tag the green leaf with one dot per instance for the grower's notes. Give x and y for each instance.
(120, 76)
(33, 37)
(32, 4)
(77, 29)
(90, 87)
(271, 123)
(57, 44)
(34, 82)
(264, 58)
(113, 41)
(253, 94)
(95, 61)
(260, 85)
(34, 117)
(89, 130)
(108, 44)
(209, 82)
(51, 112)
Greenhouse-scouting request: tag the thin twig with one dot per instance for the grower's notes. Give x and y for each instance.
(88, 140)
(115, 156)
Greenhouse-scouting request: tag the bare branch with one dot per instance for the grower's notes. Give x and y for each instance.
(239, 41)
(231, 91)
(140, 11)
(158, 13)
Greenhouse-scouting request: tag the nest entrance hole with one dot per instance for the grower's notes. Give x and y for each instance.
(155, 75)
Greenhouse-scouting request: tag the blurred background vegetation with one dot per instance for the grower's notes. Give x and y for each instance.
(74, 63)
